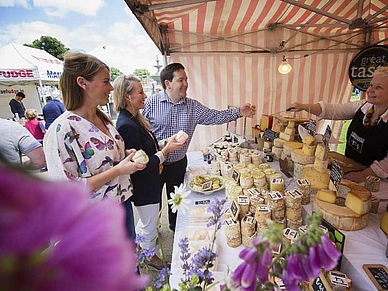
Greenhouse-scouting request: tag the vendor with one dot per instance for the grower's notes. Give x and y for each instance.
(367, 141)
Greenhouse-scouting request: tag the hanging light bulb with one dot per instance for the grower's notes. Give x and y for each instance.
(284, 67)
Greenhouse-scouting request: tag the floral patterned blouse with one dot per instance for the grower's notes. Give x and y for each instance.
(76, 149)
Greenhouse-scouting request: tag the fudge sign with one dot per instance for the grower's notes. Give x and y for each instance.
(364, 64)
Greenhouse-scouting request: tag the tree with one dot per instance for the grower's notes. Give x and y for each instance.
(143, 74)
(51, 45)
(114, 73)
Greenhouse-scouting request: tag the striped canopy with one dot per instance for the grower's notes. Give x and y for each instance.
(231, 49)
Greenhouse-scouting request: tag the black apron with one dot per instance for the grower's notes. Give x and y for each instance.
(366, 144)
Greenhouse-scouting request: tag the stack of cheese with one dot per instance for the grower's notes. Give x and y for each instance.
(294, 208)
(288, 147)
(286, 134)
(303, 156)
(346, 209)
(317, 172)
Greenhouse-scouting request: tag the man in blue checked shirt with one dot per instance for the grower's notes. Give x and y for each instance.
(170, 111)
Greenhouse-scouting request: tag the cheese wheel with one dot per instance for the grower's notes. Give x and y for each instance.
(278, 142)
(298, 156)
(340, 217)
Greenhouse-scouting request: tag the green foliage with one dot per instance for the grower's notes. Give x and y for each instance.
(143, 74)
(114, 73)
(51, 45)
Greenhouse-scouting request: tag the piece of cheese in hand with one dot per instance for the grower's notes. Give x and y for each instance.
(140, 157)
(384, 222)
(327, 195)
(181, 136)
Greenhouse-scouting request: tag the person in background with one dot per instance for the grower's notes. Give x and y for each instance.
(367, 141)
(170, 111)
(33, 125)
(83, 144)
(17, 106)
(128, 96)
(158, 89)
(52, 110)
(16, 141)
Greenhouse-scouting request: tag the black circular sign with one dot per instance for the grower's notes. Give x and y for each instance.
(363, 65)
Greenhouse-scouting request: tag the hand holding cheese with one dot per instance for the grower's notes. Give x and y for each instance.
(181, 136)
(140, 157)
(248, 110)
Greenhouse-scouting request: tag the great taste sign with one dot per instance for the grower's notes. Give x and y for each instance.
(364, 64)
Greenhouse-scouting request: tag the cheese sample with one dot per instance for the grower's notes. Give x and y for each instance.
(317, 180)
(321, 166)
(181, 136)
(326, 195)
(359, 204)
(308, 140)
(340, 217)
(287, 137)
(140, 157)
(308, 149)
(298, 156)
(384, 222)
(321, 152)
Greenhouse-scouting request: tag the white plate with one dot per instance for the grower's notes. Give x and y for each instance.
(198, 189)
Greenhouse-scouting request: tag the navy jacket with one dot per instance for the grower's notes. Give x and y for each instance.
(146, 183)
(51, 111)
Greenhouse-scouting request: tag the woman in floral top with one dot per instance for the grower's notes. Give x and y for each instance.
(83, 144)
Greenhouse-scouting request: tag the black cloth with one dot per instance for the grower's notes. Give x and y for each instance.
(146, 183)
(51, 111)
(173, 175)
(366, 144)
(17, 107)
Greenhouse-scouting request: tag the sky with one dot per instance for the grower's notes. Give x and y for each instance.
(106, 29)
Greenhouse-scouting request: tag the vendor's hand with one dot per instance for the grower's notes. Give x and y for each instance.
(359, 176)
(248, 110)
(295, 107)
(127, 166)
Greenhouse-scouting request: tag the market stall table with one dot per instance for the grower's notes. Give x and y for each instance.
(366, 246)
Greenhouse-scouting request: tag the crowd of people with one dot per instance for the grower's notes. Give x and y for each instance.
(81, 143)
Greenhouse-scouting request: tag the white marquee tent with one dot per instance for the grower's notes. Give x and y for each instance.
(23, 69)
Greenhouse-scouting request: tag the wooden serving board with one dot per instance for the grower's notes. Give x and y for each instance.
(297, 118)
(347, 164)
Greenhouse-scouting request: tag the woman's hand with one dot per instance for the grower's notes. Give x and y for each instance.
(295, 107)
(127, 166)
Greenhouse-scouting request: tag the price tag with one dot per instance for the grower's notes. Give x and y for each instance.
(326, 136)
(270, 135)
(235, 208)
(207, 185)
(378, 275)
(312, 127)
(236, 175)
(202, 202)
(336, 174)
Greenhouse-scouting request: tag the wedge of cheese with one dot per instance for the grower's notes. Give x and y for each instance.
(308, 140)
(290, 145)
(384, 223)
(278, 142)
(321, 166)
(317, 180)
(321, 152)
(286, 136)
(309, 149)
(327, 195)
(360, 204)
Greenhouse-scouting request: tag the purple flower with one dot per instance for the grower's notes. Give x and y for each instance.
(58, 240)
(328, 253)
(215, 207)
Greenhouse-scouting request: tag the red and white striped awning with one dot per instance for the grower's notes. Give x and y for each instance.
(231, 49)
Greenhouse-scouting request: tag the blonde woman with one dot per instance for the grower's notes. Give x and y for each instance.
(129, 99)
(367, 141)
(82, 144)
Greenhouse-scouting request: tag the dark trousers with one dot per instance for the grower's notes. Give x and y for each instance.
(173, 175)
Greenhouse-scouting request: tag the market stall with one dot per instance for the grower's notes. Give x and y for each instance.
(25, 69)
(232, 49)
(370, 241)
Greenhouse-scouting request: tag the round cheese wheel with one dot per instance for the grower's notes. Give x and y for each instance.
(341, 217)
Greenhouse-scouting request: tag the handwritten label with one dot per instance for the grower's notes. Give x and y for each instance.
(235, 209)
(202, 202)
(336, 174)
(326, 136)
(270, 135)
(378, 274)
(312, 127)
(236, 175)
